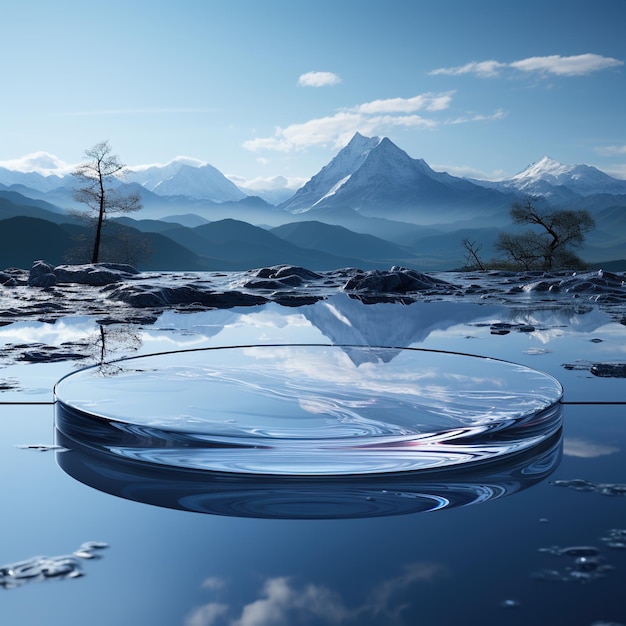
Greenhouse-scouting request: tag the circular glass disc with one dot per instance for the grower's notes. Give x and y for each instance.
(308, 409)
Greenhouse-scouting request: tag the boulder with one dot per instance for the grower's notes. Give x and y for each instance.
(97, 274)
(287, 271)
(146, 296)
(43, 274)
(6, 280)
(396, 280)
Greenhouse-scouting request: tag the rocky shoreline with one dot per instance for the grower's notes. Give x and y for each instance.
(114, 290)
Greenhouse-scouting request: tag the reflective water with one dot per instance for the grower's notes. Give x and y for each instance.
(541, 544)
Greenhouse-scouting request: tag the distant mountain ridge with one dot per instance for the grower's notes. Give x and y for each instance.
(557, 181)
(370, 174)
(30, 230)
(182, 178)
(371, 204)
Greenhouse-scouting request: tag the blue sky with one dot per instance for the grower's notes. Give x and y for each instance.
(265, 88)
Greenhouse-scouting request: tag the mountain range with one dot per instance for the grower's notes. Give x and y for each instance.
(372, 205)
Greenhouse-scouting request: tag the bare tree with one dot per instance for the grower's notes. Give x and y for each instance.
(549, 246)
(472, 257)
(99, 191)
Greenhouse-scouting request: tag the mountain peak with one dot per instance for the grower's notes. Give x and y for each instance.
(334, 175)
(549, 178)
(359, 145)
(546, 167)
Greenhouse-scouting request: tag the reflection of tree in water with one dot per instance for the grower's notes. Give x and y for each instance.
(112, 342)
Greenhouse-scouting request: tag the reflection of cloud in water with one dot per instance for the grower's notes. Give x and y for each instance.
(437, 379)
(67, 330)
(282, 601)
(585, 449)
(554, 323)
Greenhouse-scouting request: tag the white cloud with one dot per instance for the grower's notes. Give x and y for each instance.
(617, 170)
(428, 101)
(413, 573)
(213, 583)
(466, 171)
(477, 117)
(270, 183)
(280, 601)
(369, 118)
(585, 449)
(206, 615)
(318, 79)
(611, 150)
(40, 162)
(555, 64)
(484, 69)
(577, 65)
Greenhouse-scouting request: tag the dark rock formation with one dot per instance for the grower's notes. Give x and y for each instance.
(396, 280)
(144, 296)
(609, 370)
(44, 275)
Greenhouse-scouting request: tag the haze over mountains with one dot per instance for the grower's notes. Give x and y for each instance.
(372, 205)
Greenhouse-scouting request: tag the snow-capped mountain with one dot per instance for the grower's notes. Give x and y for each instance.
(376, 178)
(332, 176)
(185, 177)
(32, 180)
(555, 180)
(369, 177)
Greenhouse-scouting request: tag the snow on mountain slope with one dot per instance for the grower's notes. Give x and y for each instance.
(186, 177)
(331, 177)
(378, 179)
(552, 179)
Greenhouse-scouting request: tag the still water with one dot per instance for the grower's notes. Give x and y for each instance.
(94, 534)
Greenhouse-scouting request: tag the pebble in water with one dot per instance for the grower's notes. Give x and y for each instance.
(42, 568)
(579, 484)
(510, 604)
(588, 565)
(615, 539)
(574, 551)
(39, 447)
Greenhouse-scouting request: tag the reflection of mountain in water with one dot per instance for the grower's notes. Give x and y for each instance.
(347, 321)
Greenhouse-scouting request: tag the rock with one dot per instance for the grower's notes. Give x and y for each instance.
(93, 274)
(264, 283)
(397, 280)
(51, 354)
(41, 275)
(43, 280)
(284, 271)
(145, 296)
(609, 370)
(6, 280)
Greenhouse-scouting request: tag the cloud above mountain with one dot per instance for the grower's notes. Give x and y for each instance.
(376, 117)
(40, 162)
(555, 65)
